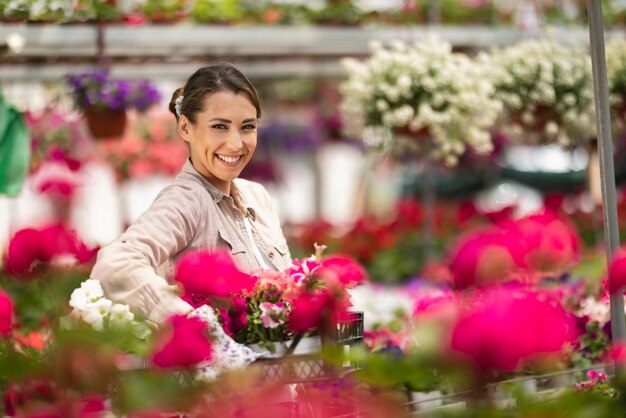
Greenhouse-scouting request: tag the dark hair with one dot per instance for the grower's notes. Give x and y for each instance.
(208, 80)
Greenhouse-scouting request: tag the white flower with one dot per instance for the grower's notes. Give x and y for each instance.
(120, 315)
(92, 288)
(94, 313)
(78, 299)
(596, 310)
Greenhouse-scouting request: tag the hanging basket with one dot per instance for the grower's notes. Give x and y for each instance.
(106, 123)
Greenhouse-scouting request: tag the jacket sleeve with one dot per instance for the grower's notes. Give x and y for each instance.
(127, 268)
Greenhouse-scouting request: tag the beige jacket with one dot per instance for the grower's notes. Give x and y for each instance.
(190, 214)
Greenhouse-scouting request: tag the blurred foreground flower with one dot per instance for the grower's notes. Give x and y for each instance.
(7, 314)
(617, 271)
(484, 258)
(207, 274)
(182, 343)
(505, 328)
(54, 245)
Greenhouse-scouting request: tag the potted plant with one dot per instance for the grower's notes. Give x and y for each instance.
(104, 100)
(437, 99)
(546, 90)
(164, 11)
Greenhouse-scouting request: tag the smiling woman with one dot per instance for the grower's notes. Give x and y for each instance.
(206, 207)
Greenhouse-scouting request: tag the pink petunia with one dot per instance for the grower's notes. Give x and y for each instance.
(205, 274)
(503, 328)
(31, 247)
(551, 242)
(271, 314)
(312, 310)
(617, 271)
(183, 343)
(7, 314)
(345, 269)
(485, 257)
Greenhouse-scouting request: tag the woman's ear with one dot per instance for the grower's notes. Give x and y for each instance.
(184, 128)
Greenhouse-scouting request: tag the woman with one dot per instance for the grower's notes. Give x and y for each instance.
(207, 206)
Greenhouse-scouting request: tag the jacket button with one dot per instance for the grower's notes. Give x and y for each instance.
(271, 254)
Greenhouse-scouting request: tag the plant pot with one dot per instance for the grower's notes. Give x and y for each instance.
(106, 123)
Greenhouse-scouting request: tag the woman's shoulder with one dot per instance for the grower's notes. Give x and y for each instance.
(181, 191)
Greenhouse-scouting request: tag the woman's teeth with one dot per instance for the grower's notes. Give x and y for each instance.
(228, 159)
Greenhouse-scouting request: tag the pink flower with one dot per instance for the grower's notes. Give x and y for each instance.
(7, 314)
(56, 177)
(302, 269)
(617, 271)
(551, 242)
(30, 247)
(505, 327)
(141, 168)
(435, 304)
(617, 353)
(597, 375)
(272, 314)
(485, 257)
(183, 343)
(319, 309)
(204, 274)
(345, 269)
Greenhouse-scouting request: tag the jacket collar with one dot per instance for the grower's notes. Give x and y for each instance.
(236, 196)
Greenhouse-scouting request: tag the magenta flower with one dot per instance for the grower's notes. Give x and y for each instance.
(485, 257)
(617, 271)
(205, 274)
(504, 328)
(551, 242)
(31, 247)
(344, 269)
(302, 269)
(312, 310)
(7, 314)
(183, 342)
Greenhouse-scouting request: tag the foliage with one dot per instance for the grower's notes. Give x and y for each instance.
(164, 10)
(217, 11)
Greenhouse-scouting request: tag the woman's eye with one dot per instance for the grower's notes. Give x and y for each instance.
(219, 126)
(249, 127)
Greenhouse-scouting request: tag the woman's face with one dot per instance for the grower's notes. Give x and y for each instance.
(223, 138)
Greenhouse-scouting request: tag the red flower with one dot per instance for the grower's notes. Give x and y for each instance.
(183, 343)
(345, 269)
(205, 274)
(7, 314)
(485, 257)
(30, 247)
(408, 215)
(617, 271)
(505, 327)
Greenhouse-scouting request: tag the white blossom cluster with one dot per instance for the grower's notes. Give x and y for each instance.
(547, 92)
(616, 75)
(421, 88)
(91, 306)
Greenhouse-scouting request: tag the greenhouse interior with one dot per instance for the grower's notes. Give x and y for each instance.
(312, 209)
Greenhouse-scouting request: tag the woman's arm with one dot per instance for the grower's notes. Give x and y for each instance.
(127, 268)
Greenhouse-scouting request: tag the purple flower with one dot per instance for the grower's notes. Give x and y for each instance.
(98, 90)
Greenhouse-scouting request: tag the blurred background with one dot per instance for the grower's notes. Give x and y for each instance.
(326, 184)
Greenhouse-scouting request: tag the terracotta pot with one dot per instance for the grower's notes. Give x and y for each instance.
(106, 123)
